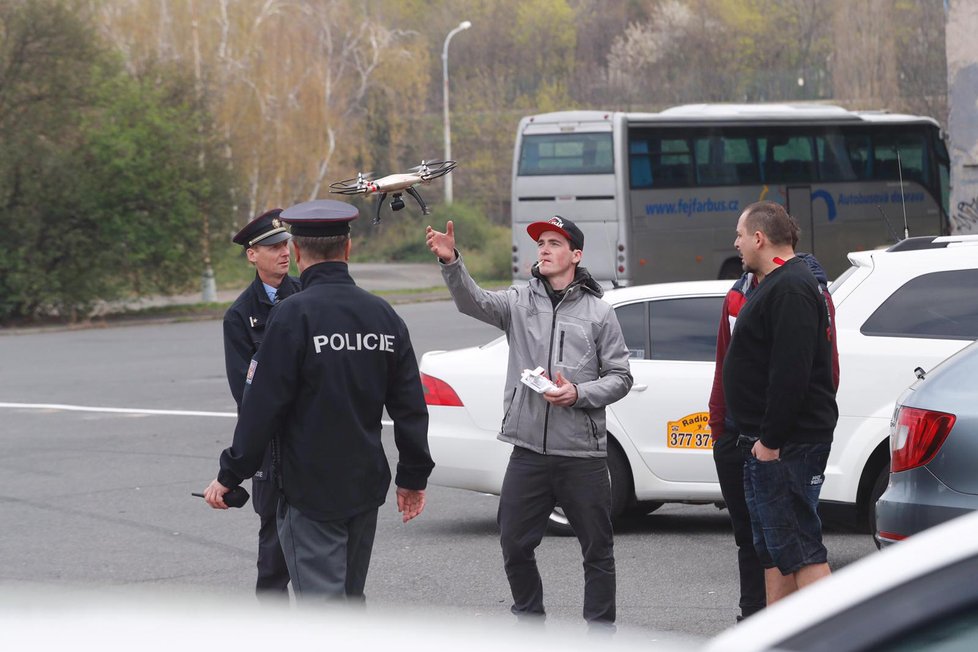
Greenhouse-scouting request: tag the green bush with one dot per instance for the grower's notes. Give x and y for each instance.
(100, 172)
(400, 237)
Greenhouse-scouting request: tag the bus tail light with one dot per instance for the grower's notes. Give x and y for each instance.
(438, 392)
(917, 436)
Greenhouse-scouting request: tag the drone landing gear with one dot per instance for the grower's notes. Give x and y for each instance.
(397, 203)
(417, 196)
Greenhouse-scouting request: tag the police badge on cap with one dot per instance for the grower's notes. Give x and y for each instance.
(266, 229)
(320, 218)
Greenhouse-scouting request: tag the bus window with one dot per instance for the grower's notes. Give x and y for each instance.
(787, 159)
(569, 153)
(724, 160)
(945, 187)
(913, 157)
(640, 167)
(860, 154)
(672, 163)
(834, 163)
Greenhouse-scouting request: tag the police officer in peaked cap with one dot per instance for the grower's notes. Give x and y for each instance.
(333, 357)
(266, 243)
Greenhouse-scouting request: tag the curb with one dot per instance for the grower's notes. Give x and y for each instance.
(197, 312)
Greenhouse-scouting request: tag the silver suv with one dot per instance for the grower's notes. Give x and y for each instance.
(933, 450)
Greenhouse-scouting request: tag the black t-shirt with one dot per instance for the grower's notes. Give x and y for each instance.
(777, 374)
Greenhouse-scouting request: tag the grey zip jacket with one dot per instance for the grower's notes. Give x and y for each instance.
(581, 338)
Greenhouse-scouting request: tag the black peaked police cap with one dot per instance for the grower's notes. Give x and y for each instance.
(266, 229)
(320, 218)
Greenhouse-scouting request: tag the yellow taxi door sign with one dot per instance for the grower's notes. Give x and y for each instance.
(691, 431)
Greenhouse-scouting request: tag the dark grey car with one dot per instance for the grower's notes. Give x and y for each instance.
(933, 450)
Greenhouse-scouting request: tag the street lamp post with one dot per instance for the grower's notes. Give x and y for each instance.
(448, 129)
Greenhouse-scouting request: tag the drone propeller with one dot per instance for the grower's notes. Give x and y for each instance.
(435, 169)
(363, 178)
(352, 186)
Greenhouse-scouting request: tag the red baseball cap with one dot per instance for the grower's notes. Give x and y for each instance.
(562, 226)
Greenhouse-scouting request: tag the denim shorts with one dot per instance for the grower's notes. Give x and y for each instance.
(782, 498)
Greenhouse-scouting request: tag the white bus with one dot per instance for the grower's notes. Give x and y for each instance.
(658, 195)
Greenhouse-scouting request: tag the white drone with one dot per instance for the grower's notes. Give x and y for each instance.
(364, 184)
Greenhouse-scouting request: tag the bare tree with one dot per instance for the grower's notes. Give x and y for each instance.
(864, 69)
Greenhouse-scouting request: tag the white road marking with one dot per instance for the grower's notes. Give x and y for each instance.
(88, 408)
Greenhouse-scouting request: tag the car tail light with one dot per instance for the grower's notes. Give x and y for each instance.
(891, 536)
(438, 392)
(917, 436)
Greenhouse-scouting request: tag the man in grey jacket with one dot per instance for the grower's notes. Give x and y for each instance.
(560, 447)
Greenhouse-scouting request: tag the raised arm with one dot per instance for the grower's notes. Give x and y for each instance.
(470, 299)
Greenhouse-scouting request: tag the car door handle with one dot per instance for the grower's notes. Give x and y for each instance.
(639, 388)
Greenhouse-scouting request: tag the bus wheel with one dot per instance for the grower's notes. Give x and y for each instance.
(730, 269)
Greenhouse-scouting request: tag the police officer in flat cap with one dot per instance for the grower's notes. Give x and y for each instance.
(334, 356)
(266, 243)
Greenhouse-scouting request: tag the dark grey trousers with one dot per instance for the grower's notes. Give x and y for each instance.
(533, 485)
(327, 560)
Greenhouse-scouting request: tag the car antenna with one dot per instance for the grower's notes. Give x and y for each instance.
(903, 198)
(889, 227)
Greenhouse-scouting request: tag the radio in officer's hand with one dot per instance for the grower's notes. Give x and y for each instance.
(236, 497)
(535, 380)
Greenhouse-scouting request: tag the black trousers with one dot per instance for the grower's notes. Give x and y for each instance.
(534, 484)
(273, 574)
(729, 460)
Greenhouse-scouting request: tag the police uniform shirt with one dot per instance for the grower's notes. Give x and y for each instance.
(333, 356)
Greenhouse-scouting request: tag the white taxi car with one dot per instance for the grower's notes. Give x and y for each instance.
(659, 441)
(907, 307)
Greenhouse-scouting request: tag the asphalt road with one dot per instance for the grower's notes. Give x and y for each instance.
(101, 500)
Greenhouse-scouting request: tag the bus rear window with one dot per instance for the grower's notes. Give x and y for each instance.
(571, 153)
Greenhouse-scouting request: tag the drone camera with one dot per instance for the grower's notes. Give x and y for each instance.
(397, 203)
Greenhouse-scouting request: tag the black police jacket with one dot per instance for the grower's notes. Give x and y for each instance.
(244, 328)
(332, 358)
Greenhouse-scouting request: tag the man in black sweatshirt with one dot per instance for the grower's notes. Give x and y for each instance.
(778, 382)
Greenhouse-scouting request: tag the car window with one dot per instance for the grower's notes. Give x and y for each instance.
(685, 329)
(635, 327)
(937, 305)
(954, 633)
(936, 611)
